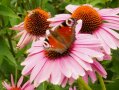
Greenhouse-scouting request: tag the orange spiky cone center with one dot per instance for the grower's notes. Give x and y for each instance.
(36, 22)
(15, 88)
(53, 54)
(90, 17)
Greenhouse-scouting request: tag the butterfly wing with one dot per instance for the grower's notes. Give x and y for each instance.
(60, 38)
(67, 34)
(54, 44)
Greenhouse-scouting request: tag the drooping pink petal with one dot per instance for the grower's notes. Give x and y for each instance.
(117, 42)
(30, 87)
(62, 78)
(73, 65)
(88, 39)
(112, 32)
(19, 34)
(92, 76)
(109, 12)
(37, 68)
(85, 78)
(63, 16)
(25, 40)
(90, 52)
(7, 86)
(64, 82)
(84, 57)
(31, 63)
(18, 27)
(71, 8)
(22, 38)
(64, 68)
(12, 81)
(107, 39)
(39, 43)
(112, 22)
(20, 81)
(25, 85)
(107, 57)
(116, 18)
(71, 81)
(45, 72)
(78, 26)
(99, 68)
(36, 50)
(56, 74)
(84, 36)
(88, 45)
(53, 24)
(72, 88)
(111, 26)
(83, 64)
(105, 47)
(60, 17)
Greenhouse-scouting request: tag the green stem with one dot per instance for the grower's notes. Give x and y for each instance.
(12, 51)
(10, 43)
(84, 84)
(81, 87)
(15, 73)
(101, 82)
(2, 73)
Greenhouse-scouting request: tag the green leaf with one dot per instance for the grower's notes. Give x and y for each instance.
(5, 2)
(6, 11)
(95, 2)
(50, 8)
(1, 59)
(4, 51)
(113, 86)
(115, 61)
(42, 86)
(14, 21)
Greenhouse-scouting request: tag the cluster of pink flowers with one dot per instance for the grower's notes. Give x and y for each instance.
(95, 36)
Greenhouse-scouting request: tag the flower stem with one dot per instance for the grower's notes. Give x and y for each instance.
(16, 72)
(10, 43)
(84, 84)
(101, 82)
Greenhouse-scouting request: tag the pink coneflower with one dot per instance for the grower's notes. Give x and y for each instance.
(26, 86)
(101, 23)
(34, 26)
(58, 68)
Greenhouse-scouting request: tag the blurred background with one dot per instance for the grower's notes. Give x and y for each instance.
(12, 12)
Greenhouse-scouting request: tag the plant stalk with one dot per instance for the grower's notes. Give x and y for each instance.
(84, 84)
(101, 82)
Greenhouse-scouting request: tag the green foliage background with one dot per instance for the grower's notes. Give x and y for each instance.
(12, 12)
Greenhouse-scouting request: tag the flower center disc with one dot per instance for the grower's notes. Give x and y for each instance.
(15, 88)
(36, 22)
(90, 17)
(54, 55)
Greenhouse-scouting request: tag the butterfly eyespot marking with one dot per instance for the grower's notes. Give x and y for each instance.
(46, 44)
(70, 22)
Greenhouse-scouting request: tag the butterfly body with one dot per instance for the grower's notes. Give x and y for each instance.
(60, 38)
